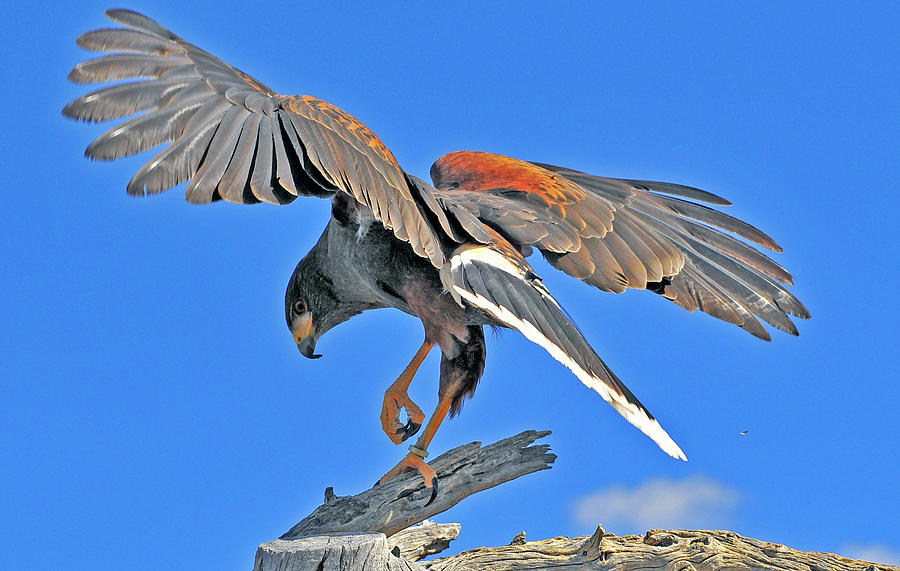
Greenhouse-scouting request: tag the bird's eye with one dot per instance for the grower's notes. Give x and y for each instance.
(299, 307)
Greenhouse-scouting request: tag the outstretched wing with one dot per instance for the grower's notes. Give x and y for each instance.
(233, 137)
(617, 234)
(496, 279)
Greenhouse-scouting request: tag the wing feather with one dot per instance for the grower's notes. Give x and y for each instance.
(123, 40)
(237, 175)
(678, 190)
(175, 164)
(146, 131)
(115, 67)
(632, 267)
(617, 234)
(125, 99)
(202, 188)
(720, 219)
(139, 21)
(659, 260)
(740, 251)
(261, 179)
(755, 280)
(498, 281)
(233, 137)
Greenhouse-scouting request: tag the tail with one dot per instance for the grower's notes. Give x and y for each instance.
(496, 279)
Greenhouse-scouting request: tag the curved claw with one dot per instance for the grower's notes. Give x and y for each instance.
(394, 402)
(414, 462)
(409, 430)
(434, 491)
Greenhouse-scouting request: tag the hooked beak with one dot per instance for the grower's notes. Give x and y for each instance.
(305, 336)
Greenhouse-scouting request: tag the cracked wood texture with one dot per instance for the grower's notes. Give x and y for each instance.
(340, 552)
(348, 533)
(426, 539)
(675, 550)
(400, 502)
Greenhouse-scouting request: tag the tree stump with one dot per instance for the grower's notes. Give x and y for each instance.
(340, 552)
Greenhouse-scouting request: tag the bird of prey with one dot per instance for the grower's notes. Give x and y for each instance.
(453, 252)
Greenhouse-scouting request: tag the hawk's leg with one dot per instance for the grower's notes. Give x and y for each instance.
(396, 398)
(416, 458)
(459, 375)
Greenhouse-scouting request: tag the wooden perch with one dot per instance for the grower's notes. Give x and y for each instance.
(347, 533)
(400, 502)
(677, 550)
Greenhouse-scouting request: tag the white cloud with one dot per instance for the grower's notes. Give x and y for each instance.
(693, 503)
(876, 553)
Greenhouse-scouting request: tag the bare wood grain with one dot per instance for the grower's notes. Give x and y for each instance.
(422, 540)
(340, 552)
(673, 550)
(350, 532)
(400, 502)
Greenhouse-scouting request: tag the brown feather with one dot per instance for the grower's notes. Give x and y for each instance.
(233, 137)
(631, 265)
(617, 234)
(648, 259)
(261, 177)
(236, 176)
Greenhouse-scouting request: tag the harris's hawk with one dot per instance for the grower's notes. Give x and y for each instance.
(452, 253)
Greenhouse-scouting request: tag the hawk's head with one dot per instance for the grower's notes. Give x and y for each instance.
(316, 301)
(310, 305)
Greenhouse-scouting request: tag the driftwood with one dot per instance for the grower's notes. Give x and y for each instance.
(675, 550)
(400, 502)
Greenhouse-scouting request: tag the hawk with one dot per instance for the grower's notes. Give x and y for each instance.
(453, 252)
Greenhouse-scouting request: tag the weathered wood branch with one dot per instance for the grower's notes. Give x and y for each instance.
(420, 541)
(675, 550)
(347, 533)
(400, 502)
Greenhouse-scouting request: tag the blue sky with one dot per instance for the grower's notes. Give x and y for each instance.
(154, 410)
